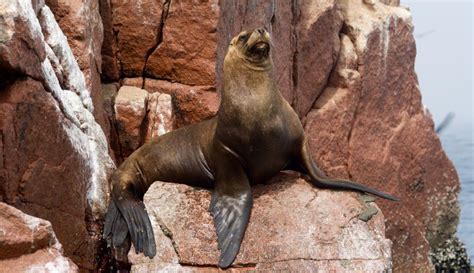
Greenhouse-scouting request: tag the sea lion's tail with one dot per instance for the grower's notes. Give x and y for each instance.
(319, 179)
(349, 185)
(127, 221)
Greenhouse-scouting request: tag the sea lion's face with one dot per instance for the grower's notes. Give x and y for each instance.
(252, 46)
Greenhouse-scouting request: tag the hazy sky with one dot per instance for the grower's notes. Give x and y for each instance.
(444, 31)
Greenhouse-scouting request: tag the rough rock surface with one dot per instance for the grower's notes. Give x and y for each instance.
(398, 151)
(28, 244)
(130, 111)
(160, 115)
(81, 23)
(292, 226)
(133, 39)
(138, 116)
(189, 58)
(192, 103)
(54, 156)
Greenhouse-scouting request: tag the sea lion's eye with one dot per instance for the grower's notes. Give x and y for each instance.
(243, 37)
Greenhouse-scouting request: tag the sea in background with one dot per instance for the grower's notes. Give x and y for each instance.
(457, 140)
(443, 33)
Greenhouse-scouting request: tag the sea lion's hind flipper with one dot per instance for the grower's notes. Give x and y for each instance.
(231, 215)
(138, 225)
(319, 179)
(116, 233)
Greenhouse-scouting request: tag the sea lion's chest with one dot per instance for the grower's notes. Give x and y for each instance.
(262, 140)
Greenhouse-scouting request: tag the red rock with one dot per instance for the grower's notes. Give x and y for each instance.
(137, 26)
(160, 115)
(130, 111)
(44, 180)
(54, 163)
(81, 23)
(28, 244)
(186, 53)
(370, 126)
(292, 226)
(110, 62)
(137, 82)
(192, 103)
(22, 51)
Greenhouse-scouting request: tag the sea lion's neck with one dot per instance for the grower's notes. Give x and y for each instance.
(246, 85)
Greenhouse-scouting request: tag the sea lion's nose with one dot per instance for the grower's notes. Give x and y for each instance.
(261, 30)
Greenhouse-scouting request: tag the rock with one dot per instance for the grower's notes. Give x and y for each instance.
(55, 163)
(109, 93)
(451, 256)
(130, 110)
(160, 115)
(110, 62)
(28, 244)
(82, 25)
(369, 125)
(292, 226)
(186, 51)
(20, 51)
(192, 103)
(136, 38)
(137, 82)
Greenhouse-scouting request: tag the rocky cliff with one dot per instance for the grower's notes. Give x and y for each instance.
(346, 66)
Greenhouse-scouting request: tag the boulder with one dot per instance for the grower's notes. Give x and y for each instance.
(160, 115)
(28, 244)
(186, 50)
(81, 23)
(130, 111)
(137, 30)
(369, 125)
(192, 103)
(292, 226)
(55, 163)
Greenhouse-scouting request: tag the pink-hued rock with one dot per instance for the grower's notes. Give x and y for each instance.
(369, 125)
(130, 111)
(160, 115)
(292, 226)
(186, 51)
(138, 30)
(28, 244)
(81, 23)
(192, 103)
(110, 63)
(55, 163)
(137, 82)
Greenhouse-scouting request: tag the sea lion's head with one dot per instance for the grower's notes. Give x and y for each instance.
(252, 48)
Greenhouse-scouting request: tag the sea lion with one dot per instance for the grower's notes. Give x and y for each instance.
(255, 135)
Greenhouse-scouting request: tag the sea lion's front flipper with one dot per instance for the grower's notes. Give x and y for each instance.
(127, 219)
(319, 179)
(116, 233)
(230, 206)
